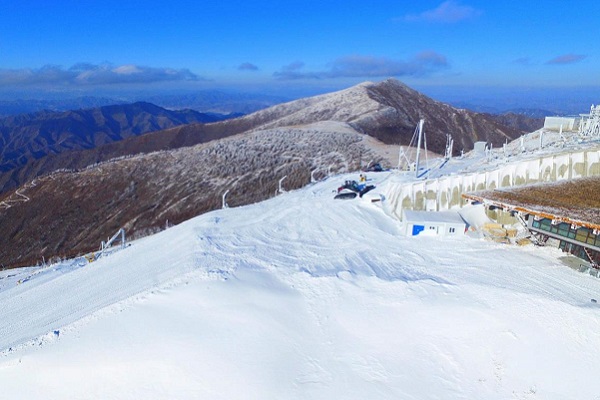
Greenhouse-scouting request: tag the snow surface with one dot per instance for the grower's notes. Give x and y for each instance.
(302, 297)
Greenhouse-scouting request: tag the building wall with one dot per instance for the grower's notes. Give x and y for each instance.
(445, 193)
(500, 216)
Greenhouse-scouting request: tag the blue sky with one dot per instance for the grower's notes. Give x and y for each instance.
(297, 46)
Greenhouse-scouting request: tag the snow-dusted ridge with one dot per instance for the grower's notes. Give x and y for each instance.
(144, 194)
(302, 297)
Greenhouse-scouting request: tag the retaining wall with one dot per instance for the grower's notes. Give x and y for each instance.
(444, 193)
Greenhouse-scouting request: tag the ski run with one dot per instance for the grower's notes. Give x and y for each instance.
(302, 297)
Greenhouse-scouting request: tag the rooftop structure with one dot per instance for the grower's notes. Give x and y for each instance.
(575, 201)
(568, 211)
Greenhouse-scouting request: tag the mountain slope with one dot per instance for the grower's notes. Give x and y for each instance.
(142, 193)
(146, 192)
(406, 106)
(389, 111)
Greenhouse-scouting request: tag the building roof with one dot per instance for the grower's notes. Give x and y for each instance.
(576, 201)
(446, 217)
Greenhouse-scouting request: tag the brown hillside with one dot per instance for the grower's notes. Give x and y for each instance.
(69, 213)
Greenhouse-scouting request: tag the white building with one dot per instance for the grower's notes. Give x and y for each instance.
(444, 223)
(568, 123)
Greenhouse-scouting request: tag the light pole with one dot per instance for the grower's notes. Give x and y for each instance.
(224, 201)
(280, 187)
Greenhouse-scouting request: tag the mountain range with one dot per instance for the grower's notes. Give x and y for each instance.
(68, 202)
(204, 101)
(26, 138)
(388, 111)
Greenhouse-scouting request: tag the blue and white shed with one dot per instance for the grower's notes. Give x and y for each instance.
(442, 223)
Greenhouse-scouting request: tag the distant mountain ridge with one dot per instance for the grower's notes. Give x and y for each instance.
(204, 101)
(221, 102)
(30, 106)
(519, 121)
(388, 111)
(144, 181)
(28, 137)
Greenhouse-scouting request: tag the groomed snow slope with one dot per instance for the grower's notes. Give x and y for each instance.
(302, 297)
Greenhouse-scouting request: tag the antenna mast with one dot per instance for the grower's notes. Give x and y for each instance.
(420, 129)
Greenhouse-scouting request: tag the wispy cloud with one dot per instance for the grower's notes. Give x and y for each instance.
(85, 74)
(523, 61)
(294, 71)
(247, 67)
(355, 66)
(449, 11)
(566, 59)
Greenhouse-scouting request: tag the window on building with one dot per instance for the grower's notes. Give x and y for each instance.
(545, 224)
(563, 229)
(451, 230)
(582, 234)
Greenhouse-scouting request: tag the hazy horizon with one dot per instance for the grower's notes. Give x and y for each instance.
(559, 100)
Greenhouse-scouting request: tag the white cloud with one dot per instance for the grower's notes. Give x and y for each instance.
(566, 59)
(90, 74)
(247, 67)
(422, 64)
(449, 11)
